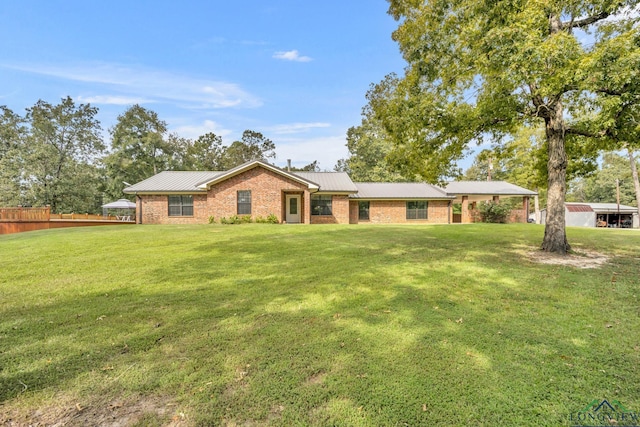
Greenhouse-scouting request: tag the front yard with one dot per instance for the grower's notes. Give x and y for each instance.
(314, 325)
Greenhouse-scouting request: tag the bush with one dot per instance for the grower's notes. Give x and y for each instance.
(212, 219)
(272, 219)
(494, 212)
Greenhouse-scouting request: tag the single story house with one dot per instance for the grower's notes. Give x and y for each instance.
(598, 215)
(260, 189)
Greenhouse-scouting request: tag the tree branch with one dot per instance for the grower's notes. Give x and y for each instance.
(585, 22)
(588, 134)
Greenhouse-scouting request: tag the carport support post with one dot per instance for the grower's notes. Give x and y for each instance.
(465, 210)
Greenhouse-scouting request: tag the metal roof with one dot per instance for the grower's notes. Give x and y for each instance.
(571, 207)
(338, 182)
(611, 208)
(197, 182)
(173, 181)
(399, 190)
(497, 188)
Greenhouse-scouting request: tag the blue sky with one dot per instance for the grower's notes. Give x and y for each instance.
(297, 71)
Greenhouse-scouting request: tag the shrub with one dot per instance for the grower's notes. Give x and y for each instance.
(212, 219)
(272, 219)
(494, 212)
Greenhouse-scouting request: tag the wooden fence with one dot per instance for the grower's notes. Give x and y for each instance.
(16, 220)
(24, 214)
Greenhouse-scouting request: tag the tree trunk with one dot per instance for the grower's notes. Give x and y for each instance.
(555, 237)
(634, 174)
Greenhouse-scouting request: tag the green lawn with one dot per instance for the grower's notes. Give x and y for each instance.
(314, 325)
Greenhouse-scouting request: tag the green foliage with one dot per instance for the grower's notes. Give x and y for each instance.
(212, 219)
(12, 157)
(270, 219)
(484, 69)
(494, 212)
(228, 325)
(138, 149)
(311, 167)
(600, 187)
(235, 219)
(63, 144)
(369, 153)
(252, 146)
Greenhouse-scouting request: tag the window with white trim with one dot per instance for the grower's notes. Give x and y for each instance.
(244, 202)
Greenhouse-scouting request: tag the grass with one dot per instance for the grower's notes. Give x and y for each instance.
(315, 325)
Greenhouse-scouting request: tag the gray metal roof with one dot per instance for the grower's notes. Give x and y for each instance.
(498, 188)
(329, 181)
(399, 190)
(608, 207)
(173, 181)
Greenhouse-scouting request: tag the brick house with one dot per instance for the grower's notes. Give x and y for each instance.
(259, 189)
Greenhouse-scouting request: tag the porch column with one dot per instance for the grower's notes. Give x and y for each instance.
(465, 210)
(525, 206)
(306, 218)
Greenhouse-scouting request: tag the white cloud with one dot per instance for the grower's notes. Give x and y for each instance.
(290, 128)
(152, 85)
(113, 100)
(292, 55)
(194, 131)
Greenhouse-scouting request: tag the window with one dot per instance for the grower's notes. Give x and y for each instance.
(244, 202)
(320, 205)
(417, 209)
(180, 205)
(363, 211)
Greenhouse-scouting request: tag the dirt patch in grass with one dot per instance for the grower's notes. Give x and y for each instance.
(581, 259)
(140, 411)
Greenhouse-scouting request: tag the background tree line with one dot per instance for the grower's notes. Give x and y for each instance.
(55, 154)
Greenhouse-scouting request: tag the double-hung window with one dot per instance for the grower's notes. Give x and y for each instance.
(417, 209)
(181, 205)
(244, 202)
(321, 204)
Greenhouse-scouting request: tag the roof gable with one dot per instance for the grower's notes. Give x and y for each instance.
(204, 185)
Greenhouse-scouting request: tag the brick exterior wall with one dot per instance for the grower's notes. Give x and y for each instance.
(395, 212)
(339, 212)
(155, 210)
(267, 188)
(267, 194)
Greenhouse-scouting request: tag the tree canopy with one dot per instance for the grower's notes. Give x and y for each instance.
(480, 69)
(55, 154)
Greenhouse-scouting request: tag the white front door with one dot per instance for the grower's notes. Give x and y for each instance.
(293, 208)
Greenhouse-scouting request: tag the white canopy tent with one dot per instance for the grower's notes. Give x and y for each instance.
(122, 206)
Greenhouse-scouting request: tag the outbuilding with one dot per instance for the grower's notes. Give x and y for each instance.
(609, 215)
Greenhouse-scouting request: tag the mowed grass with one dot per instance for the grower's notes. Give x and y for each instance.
(317, 325)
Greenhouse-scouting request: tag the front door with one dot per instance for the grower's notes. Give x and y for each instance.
(293, 208)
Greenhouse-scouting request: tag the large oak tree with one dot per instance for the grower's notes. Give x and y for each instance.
(479, 68)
